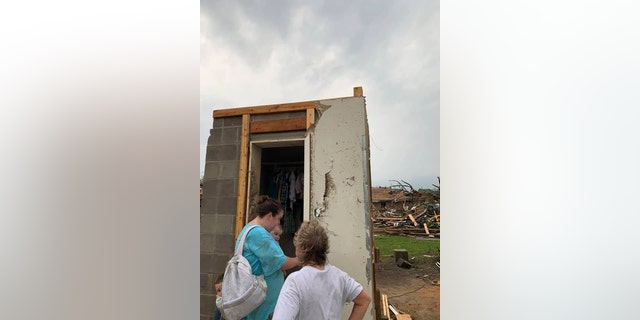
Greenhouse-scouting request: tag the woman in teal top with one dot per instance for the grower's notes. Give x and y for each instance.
(265, 255)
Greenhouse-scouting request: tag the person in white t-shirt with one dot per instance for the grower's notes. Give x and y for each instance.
(318, 290)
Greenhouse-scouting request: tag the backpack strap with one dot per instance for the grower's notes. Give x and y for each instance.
(244, 236)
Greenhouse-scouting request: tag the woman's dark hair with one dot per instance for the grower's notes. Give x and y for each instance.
(219, 279)
(266, 205)
(313, 242)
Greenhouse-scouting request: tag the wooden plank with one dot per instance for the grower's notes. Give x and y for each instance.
(405, 229)
(393, 309)
(385, 307)
(311, 117)
(242, 175)
(272, 108)
(279, 125)
(390, 219)
(425, 228)
(413, 220)
(357, 92)
(399, 315)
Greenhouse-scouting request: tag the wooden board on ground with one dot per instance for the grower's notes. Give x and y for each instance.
(385, 306)
(398, 314)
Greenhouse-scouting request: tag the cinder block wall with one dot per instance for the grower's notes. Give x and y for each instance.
(218, 211)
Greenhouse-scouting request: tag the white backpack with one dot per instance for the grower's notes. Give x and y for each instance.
(242, 292)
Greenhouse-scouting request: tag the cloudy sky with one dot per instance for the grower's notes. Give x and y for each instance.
(265, 52)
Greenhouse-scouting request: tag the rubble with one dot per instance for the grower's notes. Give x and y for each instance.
(402, 263)
(425, 223)
(400, 209)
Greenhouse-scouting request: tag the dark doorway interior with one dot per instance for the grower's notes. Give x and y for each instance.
(282, 178)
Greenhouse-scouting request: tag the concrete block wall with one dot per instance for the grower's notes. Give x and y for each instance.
(218, 211)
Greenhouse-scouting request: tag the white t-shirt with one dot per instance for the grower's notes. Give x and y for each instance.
(310, 294)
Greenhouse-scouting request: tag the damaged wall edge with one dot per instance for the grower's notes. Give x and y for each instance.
(339, 181)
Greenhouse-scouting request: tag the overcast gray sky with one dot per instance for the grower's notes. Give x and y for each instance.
(265, 52)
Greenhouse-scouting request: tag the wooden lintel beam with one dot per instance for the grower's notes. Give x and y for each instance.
(242, 175)
(279, 125)
(273, 108)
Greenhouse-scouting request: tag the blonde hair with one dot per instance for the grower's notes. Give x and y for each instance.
(313, 243)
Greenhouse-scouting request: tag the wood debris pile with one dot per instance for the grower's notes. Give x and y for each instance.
(426, 222)
(401, 209)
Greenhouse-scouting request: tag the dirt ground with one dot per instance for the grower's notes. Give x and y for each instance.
(415, 291)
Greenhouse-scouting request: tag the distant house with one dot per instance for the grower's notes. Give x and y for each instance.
(381, 197)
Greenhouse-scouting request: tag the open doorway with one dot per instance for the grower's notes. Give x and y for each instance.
(277, 169)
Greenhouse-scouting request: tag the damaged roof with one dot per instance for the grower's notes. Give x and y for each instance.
(386, 194)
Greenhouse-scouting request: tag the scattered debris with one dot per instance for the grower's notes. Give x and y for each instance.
(399, 314)
(400, 209)
(402, 263)
(425, 223)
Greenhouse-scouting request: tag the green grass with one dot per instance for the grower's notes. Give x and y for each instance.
(415, 247)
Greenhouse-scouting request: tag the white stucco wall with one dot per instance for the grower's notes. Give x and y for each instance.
(339, 186)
